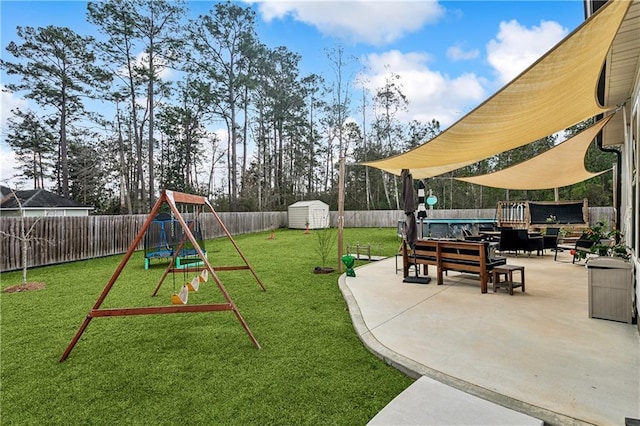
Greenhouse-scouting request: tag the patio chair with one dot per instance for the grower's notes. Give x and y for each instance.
(486, 228)
(530, 243)
(515, 240)
(583, 244)
(468, 236)
(509, 241)
(551, 240)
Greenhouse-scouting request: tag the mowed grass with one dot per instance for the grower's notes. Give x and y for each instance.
(194, 368)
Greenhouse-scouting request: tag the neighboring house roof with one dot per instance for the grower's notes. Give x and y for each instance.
(4, 192)
(38, 198)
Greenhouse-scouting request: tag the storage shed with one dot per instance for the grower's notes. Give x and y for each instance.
(314, 213)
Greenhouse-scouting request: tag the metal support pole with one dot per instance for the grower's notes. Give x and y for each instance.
(340, 212)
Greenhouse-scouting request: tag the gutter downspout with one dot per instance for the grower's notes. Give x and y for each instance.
(594, 6)
(618, 168)
(618, 176)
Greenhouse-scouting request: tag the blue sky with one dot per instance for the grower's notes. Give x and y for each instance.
(450, 55)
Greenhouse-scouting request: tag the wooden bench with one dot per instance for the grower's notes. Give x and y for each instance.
(458, 256)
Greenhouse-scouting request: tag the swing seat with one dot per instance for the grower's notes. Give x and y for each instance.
(194, 284)
(204, 276)
(182, 297)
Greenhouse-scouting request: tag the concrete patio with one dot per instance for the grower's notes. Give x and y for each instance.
(537, 353)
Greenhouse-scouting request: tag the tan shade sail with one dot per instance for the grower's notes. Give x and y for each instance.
(556, 92)
(560, 166)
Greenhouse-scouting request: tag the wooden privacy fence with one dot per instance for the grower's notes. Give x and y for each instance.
(64, 239)
(390, 218)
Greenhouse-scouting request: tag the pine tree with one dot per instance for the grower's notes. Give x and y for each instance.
(57, 69)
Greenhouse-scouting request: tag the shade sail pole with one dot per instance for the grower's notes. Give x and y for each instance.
(340, 211)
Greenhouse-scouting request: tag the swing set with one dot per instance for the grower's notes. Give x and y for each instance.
(178, 299)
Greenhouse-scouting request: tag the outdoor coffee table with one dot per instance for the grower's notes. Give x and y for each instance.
(507, 272)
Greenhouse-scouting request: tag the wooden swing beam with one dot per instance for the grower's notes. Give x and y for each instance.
(151, 310)
(171, 198)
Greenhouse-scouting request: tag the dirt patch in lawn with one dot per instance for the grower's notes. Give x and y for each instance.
(24, 287)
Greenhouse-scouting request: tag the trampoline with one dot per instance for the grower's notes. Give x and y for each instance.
(163, 238)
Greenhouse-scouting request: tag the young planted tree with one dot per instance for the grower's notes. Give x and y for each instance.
(25, 236)
(57, 69)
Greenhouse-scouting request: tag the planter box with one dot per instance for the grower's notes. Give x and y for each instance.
(610, 289)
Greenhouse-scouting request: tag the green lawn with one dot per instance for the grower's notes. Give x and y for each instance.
(194, 368)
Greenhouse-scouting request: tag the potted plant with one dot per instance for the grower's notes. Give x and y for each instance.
(603, 243)
(606, 248)
(562, 232)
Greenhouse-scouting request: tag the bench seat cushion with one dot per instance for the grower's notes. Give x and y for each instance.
(490, 264)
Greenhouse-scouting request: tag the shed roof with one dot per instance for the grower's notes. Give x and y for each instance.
(309, 203)
(38, 198)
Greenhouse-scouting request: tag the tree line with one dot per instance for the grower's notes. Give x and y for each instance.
(124, 115)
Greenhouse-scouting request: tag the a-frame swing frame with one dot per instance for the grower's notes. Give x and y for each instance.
(171, 198)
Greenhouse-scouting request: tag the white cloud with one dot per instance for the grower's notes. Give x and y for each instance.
(516, 47)
(457, 53)
(431, 94)
(9, 101)
(374, 22)
(7, 166)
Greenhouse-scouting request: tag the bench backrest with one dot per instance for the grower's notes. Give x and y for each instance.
(426, 249)
(456, 251)
(472, 255)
